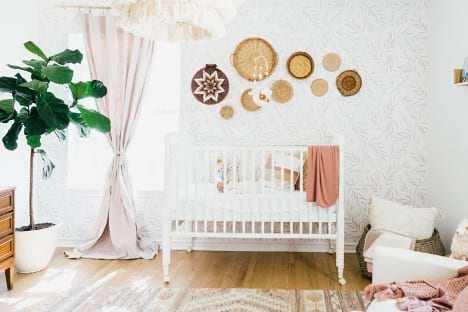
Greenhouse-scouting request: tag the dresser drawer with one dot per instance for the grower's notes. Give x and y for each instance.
(6, 202)
(6, 224)
(6, 247)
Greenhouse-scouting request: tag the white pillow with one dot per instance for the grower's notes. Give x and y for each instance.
(393, 217)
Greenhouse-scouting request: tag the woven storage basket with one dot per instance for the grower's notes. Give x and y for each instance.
(431, 245)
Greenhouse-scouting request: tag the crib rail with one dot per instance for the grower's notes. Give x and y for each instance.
(243, 191)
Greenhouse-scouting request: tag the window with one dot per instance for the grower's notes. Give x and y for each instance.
(90, 158)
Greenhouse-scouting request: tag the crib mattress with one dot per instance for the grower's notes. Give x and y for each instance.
(204, 202)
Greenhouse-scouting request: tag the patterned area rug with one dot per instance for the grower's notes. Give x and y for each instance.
(207, 300)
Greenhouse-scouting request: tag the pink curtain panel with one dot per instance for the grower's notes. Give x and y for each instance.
(122, 61)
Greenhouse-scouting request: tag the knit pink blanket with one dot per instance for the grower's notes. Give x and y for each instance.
(434, 295)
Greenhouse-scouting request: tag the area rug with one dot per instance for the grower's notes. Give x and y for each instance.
(207, 300)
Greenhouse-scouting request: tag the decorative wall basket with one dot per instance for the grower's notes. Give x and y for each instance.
(210, 85)
(254, 59)
(349, 83)
(282, 91)
(331, 62)
(319, 87)
(248, 102)
(300, 65)
(226, 112)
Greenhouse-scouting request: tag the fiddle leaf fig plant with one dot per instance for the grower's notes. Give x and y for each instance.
(33, 110)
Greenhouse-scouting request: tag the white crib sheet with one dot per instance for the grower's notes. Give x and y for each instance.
(204, 202)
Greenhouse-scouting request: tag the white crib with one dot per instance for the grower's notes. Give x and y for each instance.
(253, 206)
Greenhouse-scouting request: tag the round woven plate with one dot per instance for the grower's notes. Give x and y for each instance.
(248, 102)
(300, 65)
(331, 62)
(319, 87)
(349, 83)
(210, 85)
(254, 59)
(226, 112)
(282, 91)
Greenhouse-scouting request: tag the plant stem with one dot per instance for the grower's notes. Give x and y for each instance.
(32, 225)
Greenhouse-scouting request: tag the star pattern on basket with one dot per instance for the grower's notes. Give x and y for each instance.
(209, 86)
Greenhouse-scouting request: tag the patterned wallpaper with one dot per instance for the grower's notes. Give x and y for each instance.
(384, 125)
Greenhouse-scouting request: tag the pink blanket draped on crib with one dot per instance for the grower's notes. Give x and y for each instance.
(323, 166)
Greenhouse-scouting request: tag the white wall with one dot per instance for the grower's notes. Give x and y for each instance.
(384, 125)
(448, 113)
(18, 25)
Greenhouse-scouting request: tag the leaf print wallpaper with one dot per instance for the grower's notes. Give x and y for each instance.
(384, 125)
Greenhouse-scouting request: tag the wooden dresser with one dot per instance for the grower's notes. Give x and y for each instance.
(7, 233)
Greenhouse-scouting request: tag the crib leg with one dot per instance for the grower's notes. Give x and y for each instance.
(340, 263)
(190, 244)
(166, 260)
(341, 279)
(331, 249)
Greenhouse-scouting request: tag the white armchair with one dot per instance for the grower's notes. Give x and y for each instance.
(395, 265)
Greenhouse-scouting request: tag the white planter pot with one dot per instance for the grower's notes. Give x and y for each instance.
(35, 249)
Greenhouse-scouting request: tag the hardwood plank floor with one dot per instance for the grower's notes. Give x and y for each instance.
(198, 269)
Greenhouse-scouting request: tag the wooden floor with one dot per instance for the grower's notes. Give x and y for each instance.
(198, 269)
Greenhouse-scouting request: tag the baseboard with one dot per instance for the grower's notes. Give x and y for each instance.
(264, 245)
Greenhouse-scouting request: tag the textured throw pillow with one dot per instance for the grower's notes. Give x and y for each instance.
(417, 223)
(289, 164)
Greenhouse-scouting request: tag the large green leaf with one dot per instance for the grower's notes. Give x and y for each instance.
(23, 114)
(36, 85)
(27, 69)
(77, 120)
(6, 116)
(7, 105)
(20, 79)
(7, 84)
(94, 88)
(34, 141)
(53, 111)
(58, 74)
(33, 48)
(10, 140)
(7, 110)
(94, 119)
(36, 66)
(68, 57)
(47, 165)
(34, 124)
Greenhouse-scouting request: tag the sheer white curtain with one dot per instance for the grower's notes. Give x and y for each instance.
(122, 62)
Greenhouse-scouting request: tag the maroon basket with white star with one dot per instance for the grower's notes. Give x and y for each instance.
(210, 85)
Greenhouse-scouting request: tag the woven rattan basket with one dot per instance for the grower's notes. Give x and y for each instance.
(431, 245)
(254, 59)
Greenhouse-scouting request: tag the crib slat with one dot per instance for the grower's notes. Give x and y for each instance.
(301, 181)
(244, 176)
(253, 187)
(291, 189)
(273, 185)
(223, 180)
(282, 190)
(225, 162)
(236, 186)
(263, 190)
